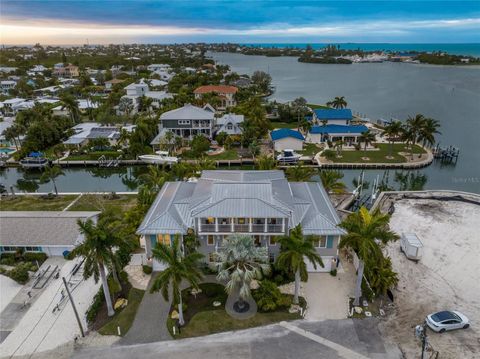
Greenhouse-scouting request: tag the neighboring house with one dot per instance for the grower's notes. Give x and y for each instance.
(84, 132)
(230, 124)
(8, 69)
(8, 106)
(38, 69)
(186, 122)
(51, 232)
(332, 116)
(225, 92)
(347, 134)
(261, 204)
(83, 106)
(159, 67)
(7, 85)
(69, 71)
(130, 102)
(243, 82)
(287, 139)
(110, 83)
(50, 90)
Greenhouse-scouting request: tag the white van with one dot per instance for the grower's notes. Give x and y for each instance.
(411, 245)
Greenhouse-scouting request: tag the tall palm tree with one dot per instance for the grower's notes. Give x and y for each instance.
(265, 162)
(70, 103)
(96, 249)
(331, 181)
(363, 229)
(155, 178)
(50, 173)
(240, 262)
(381, 275)
(294, 249)
(305, 126)
(367, 138)
(338, 145)
(414, 126)
(392, 131)
(178, 269)
(338, 102)
(428, 131)
(299, 173)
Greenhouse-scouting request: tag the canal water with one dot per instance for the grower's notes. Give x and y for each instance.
(449, 94)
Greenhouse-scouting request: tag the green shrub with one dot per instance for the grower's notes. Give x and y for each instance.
(20, 273)
(7, 256)
(33, 257)
(95, 306)
(8, 261)
(268, 296)
(333, 272)
(147, 269)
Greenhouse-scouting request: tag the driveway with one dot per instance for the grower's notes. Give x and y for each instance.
(330, 339)
(327, 296)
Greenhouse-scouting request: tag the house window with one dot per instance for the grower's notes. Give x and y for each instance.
(164, 238)
(210, 220)
(183, 122)
(210, 240)
(229, 126)
(272, 241)
(271, 257)
(320, 241)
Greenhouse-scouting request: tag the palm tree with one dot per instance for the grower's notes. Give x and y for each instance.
(363, 230)
(178, 268)
(428, 131)
(414, 126)
(70, 103)
(305, 126)
(392, 131)
(331, 181)
(338, 102)
(97, 251)
(381, 275)
(294, 249)
(299, 173)
(265, 162)
(240, 262)
(154, 178)
(339, 145)
(368, 138)
(49, 174)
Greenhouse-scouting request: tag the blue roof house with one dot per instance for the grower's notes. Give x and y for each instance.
(286, 138)
(346, 133)
(332, 116)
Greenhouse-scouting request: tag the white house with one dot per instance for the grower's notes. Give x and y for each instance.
(7, 85)
(230, 124)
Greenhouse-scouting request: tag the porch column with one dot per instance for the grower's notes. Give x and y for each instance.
(250, 220)
(216, 224)
(199, 224)
(283, 225)
(265, 227)
(232, 228)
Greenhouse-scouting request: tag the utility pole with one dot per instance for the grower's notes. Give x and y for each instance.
(73, 306)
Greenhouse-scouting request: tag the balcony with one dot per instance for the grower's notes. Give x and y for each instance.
(274, 228)
(208, 228)
(224, 227)
(242, 228)
(258, 228)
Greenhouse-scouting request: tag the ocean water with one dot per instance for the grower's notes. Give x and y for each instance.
(454, 49)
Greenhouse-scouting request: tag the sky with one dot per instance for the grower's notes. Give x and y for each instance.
(244, 21)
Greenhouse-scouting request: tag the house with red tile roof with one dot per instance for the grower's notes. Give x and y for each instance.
(225, 92)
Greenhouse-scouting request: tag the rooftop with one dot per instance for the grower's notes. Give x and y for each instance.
(216, 88)
(333, 114)
(284, 133)
(338, 129)
(188, 112)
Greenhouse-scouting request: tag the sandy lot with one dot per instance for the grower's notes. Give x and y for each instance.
(447, 277)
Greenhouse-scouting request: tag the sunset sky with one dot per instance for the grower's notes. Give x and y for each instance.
(112, 21)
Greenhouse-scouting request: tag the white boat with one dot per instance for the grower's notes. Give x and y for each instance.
(34, 160)
(289, 156)
(160, 158)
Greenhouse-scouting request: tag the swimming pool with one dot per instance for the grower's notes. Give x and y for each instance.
(6, 150)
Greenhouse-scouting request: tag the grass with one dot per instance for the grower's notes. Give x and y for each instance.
(231, 154)
(309, 149)
(378, 156)
(35, 203)
(202, 318)
(125, 317)
(314, 106)
(85, 203)
(99, 202)
(275, 125)
(93, 156)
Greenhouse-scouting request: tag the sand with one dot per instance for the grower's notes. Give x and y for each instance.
(447, 276)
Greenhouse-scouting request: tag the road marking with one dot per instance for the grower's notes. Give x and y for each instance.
(340, 349)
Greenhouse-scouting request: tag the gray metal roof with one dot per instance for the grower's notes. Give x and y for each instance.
(241, 194)
(46, 228)
(187, 112)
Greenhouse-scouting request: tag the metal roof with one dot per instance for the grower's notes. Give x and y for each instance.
(333, 114)
(339, 129)
(187, 112)
(284, 133)
(46, 228)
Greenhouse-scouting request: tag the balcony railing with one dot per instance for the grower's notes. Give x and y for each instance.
(241, 228)
(258, 228)
(208, 227)
(275, 228)
(224, 227)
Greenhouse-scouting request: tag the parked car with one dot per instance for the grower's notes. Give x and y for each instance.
(411, 245)
(447, 320)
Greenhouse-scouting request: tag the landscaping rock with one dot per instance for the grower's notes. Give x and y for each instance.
(217, 303)
(120, 303)
(294, 308)
(358, 310)
(174, 315)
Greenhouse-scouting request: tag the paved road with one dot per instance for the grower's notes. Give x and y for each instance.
(331, 339)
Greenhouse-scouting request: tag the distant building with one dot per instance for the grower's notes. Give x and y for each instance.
(110, 83)
(158, 67)
(51, 232)
(286, 138)
(7, 85)
(225, 92)
(130, 102)
(84, 132)
(69, 71)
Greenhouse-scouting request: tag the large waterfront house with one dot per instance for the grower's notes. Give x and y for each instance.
(51, 232)
(224, 92)
(334, 125)
(262, 204)
(186, 122)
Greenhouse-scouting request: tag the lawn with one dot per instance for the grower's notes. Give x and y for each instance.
(309, 149)
(35, 203)
(375, 156)
(125, 317)
(231, 154)
(202, 318)
(313, 106)
(93, 156)
(276, 125)
(92, 202)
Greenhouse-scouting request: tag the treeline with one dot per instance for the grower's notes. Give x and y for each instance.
(446, 59)
(323, 60)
